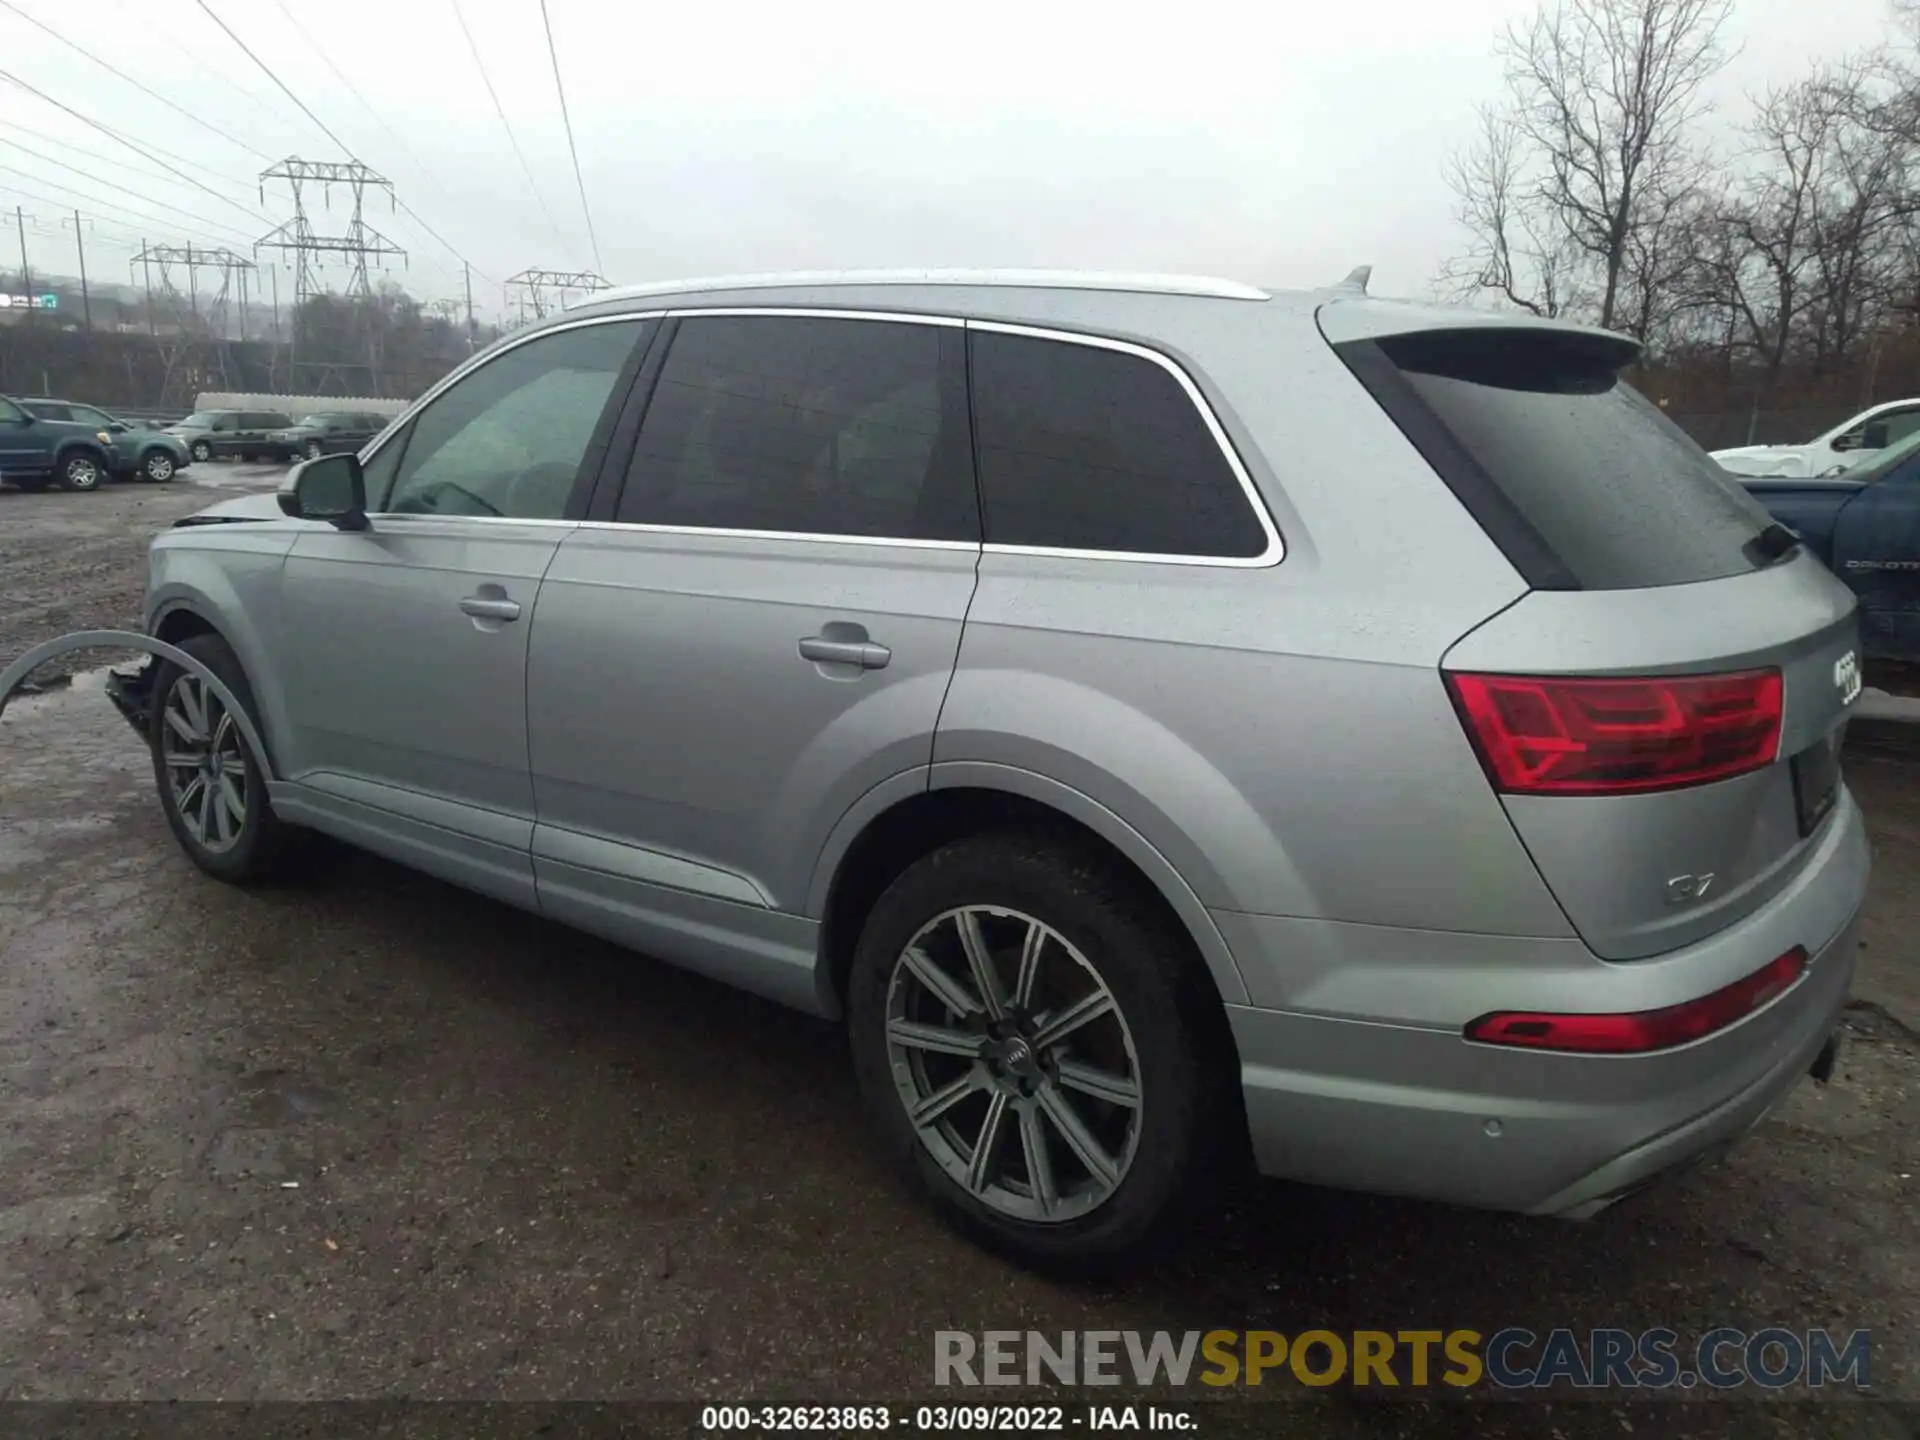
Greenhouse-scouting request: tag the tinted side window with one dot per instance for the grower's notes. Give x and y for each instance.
(1085, 448)
(807, 426)
(46, 411)
(508, 438)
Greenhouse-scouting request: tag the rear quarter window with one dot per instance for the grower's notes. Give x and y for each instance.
(1580, 479)
(1084, 447)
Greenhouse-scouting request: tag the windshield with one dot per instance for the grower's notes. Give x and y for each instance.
(201, 419)
(316, 422)
(1883, 463)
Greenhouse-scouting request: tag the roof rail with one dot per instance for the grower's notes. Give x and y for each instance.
(1040, 279)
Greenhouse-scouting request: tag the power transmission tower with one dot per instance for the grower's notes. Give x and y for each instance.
(196, 258)
(212, 325)
(543, 291)
(360, 243)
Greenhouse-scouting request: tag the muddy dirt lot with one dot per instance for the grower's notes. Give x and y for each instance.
(362, 1135)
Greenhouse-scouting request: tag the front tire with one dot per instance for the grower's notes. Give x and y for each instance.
(80, 472)
(201, 451)
(157, 467)
(211, 790)
(1031, 1037)
(313, 450)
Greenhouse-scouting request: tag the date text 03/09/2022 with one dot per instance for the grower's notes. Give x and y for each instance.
(934, 1419)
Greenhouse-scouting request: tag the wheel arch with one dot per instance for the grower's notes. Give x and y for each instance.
(887, 832)
(90, 448)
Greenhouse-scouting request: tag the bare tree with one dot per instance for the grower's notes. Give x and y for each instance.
(1588, 157)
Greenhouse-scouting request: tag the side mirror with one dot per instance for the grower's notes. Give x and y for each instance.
(332, 488)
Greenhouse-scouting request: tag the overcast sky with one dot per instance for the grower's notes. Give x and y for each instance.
(1281, 144)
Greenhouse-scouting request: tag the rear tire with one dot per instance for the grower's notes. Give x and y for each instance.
(81, 472)
(1150, 1130)
(211, 790)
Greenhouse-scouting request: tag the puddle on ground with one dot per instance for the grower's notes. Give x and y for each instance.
(51, 694)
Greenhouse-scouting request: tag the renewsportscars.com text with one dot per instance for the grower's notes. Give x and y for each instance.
(1772, 1358)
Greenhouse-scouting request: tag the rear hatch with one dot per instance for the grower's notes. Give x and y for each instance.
(1662, 712)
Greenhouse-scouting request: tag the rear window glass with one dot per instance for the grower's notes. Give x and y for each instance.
(1555, 454)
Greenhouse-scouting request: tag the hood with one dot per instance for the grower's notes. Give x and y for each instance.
(240, 508)
(1782, 460)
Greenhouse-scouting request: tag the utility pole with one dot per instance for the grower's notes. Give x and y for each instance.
(466, 272)
(80, 244)
(26, 273)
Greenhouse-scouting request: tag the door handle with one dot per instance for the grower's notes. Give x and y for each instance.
(482, 607)
(864, 653)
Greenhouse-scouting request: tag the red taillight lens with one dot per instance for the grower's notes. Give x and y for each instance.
(1648, 1029)
(1538, 735)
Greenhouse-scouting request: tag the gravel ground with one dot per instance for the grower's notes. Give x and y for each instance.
(363, 1135)
(79, 562)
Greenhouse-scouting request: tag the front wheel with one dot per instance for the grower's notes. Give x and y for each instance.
(1031, 1036)
(80, 472)
(313, 450)
(201, 451)
(211, 789)
(157, 467)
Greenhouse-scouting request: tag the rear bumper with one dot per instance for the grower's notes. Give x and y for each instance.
(1414, 1109)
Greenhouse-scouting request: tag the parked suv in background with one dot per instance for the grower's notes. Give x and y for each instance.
(135, 451)
(239, 434)
(1162, 718)
(329, 433)
(48, 442)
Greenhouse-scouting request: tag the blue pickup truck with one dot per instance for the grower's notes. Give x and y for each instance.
(1865, 524)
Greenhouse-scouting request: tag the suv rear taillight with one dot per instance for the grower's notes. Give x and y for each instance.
(1644, 1030)
(1542, 735)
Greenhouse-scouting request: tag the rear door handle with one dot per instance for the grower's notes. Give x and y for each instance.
(482, 607)
(864, 653)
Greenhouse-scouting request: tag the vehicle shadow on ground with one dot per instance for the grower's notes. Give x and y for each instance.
(770, 1095)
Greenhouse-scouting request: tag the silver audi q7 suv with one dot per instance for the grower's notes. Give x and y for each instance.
(1166, 721)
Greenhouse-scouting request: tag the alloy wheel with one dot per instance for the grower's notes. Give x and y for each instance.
(313, 449)
(206, 765)
(81, 473)
(202, 451)
(159, 467)
(1015, 1063)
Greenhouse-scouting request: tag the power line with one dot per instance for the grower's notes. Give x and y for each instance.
(102, 180)
(352, 89)
(500, 110)
(172, 105)
(131, 234)
(95, 200)
(345, 149)
(115, 134)
(409, 211)
(567, 120)
(109, 159)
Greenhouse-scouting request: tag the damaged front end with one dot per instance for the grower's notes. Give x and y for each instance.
(131, 692)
